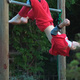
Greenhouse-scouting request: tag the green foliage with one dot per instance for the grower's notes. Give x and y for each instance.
(73, 69)
(23, 77)
(74, 63)
(33, 44)
(29, 41)
(77, 37)
(78, 56)
(69, 3)
(52, 3)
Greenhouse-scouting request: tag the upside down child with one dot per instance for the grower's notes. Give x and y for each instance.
(41, 13)
(60, 43)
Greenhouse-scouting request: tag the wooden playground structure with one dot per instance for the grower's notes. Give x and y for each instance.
(4, 39)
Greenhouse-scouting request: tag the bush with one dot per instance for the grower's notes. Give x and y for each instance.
(23, 77)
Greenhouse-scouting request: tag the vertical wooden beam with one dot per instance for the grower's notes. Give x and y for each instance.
(4, 41)
(62, 59)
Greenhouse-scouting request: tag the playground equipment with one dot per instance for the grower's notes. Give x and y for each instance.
(4, 39)
(24, 4)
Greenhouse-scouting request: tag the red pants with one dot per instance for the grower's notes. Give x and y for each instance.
(40, 12)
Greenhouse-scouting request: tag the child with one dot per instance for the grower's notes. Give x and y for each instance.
(60, 43)
(41, 13)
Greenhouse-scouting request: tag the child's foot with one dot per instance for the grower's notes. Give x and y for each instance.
(15, 20)
(75, 45)
(24, 20)
(66, 22)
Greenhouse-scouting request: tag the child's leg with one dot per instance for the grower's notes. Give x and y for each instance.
(40, 13)
(16, 19)
(22, 13)
(19, 20)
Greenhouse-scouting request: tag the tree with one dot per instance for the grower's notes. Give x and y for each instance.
(28, 40)
(73, 69)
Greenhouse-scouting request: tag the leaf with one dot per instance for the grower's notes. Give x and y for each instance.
(78, 56)
(74, 63)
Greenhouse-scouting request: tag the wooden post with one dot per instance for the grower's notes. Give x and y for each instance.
(62, 59)
(4, 41)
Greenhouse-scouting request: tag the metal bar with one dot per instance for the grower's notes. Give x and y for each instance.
(19, 3)
(55, 10)
(24, 4)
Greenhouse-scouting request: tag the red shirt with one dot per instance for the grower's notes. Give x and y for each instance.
(59, 45)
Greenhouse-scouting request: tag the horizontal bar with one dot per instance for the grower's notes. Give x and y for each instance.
(19, 3)
(55, 10)
(24, 4)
